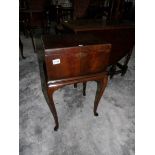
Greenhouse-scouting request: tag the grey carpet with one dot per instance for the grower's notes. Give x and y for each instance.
(80, 133)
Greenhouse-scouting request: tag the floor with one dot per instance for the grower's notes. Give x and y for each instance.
(80, 133)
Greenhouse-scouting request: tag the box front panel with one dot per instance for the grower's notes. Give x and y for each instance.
(94, 58)
(63, 63)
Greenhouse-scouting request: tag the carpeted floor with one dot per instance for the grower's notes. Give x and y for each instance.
(80, 133)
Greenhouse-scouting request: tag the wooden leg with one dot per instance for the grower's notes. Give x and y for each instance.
(101, 84)
(112, 71)
(21, 48)
(124, 70)
(75, 85)
(84, 88)
(52, 108)
(125, 66)
(32, 38)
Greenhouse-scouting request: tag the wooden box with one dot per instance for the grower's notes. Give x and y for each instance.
(74, 55)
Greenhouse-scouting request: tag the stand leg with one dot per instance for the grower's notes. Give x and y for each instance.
(75, 85)
(32, 38)
(84, 88)
(21, 48)
(101, 84)
(112, 71)
(125, 66)
(124, 70)
(52, 108)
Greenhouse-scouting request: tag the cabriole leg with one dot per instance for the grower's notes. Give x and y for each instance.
(52, 108)
(101, 84)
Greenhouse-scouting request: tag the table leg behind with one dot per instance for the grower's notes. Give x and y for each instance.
(21, 48)
(84, 88)
(75, 85)
(125, 66)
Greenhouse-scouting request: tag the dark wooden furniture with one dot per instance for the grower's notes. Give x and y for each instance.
(116, 10)
(72, 59)
(120, 35)
(96, 9)
(33, 15)
(59, 14)
(21, 48)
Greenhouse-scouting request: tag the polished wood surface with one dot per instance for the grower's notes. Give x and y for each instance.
(78, 61)
(78, 26)
(69, 40)
(85, 57)
(81, 59)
